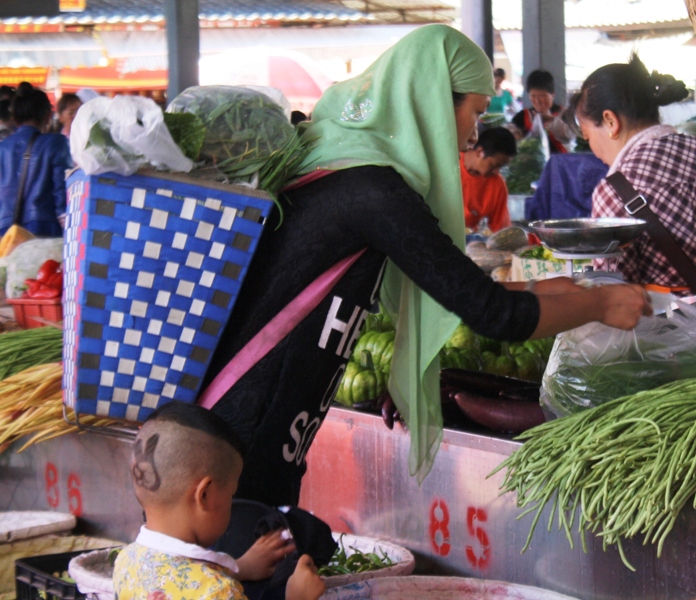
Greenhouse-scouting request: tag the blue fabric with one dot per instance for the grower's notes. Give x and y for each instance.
(565, 187)
(44, 190)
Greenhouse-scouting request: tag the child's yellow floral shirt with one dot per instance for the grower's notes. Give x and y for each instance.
(170, 572)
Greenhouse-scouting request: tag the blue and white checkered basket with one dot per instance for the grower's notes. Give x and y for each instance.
(153, 265)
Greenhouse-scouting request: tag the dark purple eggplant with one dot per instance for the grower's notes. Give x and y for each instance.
(489, 385)
(500, 414)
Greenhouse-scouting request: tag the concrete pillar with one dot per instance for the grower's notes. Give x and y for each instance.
(183, 44)
(477, 23)
(543, 41)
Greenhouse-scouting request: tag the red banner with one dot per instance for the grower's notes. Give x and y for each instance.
(35, 75)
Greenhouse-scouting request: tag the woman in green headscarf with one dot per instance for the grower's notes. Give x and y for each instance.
(383, 176)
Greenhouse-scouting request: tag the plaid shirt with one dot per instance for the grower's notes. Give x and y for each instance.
(663, 169)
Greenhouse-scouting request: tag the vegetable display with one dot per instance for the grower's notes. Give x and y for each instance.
(352, 560)
(21, 350)
(48, 282)
(367, 373)
(31, 402)
(622, 469)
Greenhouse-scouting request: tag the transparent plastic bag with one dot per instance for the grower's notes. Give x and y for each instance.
(595, 363)
(243, 126)
(123, 134)
(526, 166)
(538, 132)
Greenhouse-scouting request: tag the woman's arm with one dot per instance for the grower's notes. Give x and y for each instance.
(565, 305)
(393, 219)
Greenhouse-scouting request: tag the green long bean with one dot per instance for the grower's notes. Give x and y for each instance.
(620, 470)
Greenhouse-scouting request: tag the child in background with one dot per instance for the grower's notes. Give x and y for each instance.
(185, 466)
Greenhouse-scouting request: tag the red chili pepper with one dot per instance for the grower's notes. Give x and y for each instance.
(45, 291)
(47, 269)
(55, 280)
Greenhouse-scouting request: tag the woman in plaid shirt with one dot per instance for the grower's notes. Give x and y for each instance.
(617, 110)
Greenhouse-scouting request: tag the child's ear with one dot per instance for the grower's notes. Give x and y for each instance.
(201, 494)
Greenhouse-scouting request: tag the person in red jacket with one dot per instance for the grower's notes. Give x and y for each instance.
(484, 190)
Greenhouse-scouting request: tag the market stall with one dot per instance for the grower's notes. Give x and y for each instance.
(152, 264)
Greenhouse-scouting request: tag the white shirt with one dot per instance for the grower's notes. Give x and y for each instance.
(170, 545)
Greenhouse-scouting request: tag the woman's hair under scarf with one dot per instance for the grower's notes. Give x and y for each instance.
(400, 113)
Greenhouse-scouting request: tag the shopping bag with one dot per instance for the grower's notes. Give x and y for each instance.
(593, 364)
(123, 134)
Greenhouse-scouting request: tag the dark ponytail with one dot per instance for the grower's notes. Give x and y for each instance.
(30, 104)
(629, 91)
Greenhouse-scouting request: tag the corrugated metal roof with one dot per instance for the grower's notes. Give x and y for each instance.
(599, 14)
(133, 11)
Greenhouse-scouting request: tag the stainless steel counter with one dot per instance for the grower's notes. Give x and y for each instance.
(456, 522)
(358, 482)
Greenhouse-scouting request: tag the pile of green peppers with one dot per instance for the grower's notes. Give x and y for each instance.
(367, 372)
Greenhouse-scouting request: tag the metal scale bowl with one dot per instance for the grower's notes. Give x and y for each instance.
(590, 238)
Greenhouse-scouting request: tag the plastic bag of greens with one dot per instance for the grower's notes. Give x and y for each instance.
(123, 134)
(243, 133)
(25, 260)
(526, 166)
(595, 363)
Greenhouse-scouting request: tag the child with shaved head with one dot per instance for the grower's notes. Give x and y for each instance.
(185, 465)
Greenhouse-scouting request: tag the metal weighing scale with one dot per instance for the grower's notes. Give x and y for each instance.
(587, 239)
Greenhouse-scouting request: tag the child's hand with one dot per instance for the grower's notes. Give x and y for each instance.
(304, 583)
(259, 561)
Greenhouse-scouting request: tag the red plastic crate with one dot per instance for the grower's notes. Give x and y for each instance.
(25, 309)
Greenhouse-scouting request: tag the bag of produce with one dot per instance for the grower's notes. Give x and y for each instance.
(123, 134)
(594, 364)
(526, 166)
(240, 131)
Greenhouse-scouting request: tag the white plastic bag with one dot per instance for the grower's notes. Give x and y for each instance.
(123, 134)
(594, 364)
(25, 260)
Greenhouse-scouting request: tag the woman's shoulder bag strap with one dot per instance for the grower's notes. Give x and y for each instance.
(637, 206)
(19, 203)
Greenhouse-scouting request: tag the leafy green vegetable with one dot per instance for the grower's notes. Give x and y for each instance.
(246, 135)
(188, 131)
(344, 562)
(525, 167)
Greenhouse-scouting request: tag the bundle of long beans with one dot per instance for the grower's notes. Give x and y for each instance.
(31, 402)
(622, 469)
(26, 348)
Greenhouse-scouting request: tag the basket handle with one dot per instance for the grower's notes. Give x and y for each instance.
(275, 330)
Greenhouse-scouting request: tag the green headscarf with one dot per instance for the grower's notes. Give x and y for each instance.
(399, 113)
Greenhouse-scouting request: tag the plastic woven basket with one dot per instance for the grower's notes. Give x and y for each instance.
(34, 578)
(153, 265)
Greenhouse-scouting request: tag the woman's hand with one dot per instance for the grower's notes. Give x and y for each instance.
(304, 583)
(623, 305)
(619, 306)
(260, 560)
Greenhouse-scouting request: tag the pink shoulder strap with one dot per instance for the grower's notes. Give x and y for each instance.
(275, 330)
